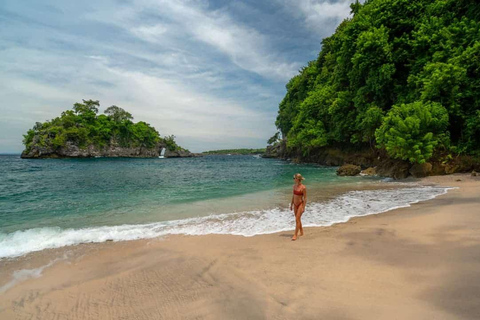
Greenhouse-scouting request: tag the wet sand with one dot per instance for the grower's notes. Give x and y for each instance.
(421, 262)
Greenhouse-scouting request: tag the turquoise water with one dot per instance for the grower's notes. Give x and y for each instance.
(75, 193)
(52, 203)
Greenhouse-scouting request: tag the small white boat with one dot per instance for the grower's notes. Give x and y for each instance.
(162, 154)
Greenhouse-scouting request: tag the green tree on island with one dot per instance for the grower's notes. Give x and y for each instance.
(83, 126)
(118, 114)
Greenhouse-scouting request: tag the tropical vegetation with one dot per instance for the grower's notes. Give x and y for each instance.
(399, 75)
(83, 126)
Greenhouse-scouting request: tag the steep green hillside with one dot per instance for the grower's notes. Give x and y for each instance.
(400, 75)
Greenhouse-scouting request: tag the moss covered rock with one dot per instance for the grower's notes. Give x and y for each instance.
(348, 170)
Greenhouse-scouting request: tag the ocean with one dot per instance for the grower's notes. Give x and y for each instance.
(51, 203)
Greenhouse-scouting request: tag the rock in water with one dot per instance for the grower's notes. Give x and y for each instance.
(420, 170)
(178, 154)
(369, 172)
(349, 170)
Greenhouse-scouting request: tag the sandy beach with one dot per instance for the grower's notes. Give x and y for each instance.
(420, 262)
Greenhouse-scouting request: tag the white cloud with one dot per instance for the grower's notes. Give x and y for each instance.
(150, 33)
(175, 109)
(246, 47)
(321, 16)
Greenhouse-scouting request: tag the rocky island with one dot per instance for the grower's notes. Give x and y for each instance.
(83, 133)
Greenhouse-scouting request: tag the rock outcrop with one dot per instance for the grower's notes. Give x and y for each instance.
(113, 150)
(349, 170)
(277, 150)
(178, 154)
(420, 170)
(395, 169)
(73, 151)
(383, 165)
(372, 171)
(378, 159)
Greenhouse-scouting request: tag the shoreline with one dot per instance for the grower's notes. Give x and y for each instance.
(368, 267)
(329, 204)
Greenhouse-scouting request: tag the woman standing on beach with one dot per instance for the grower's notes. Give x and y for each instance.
(299, 200)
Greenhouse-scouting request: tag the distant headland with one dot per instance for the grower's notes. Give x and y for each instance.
(83, 133)
(235, 151)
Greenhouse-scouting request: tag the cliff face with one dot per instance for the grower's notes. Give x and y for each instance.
(179, 154)
(112, 150)
(375, 158)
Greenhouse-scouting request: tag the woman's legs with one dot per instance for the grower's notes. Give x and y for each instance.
(299, 218)
(298, 211)
(295, 209)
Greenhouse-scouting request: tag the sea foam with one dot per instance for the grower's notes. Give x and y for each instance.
(25, 274)
(339, 209)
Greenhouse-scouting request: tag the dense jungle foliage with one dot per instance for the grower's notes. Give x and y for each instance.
(400, 75)
(83, 126)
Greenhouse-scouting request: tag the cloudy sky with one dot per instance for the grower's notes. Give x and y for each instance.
(210, 72)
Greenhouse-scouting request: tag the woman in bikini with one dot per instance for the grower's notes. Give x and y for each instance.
(299, 200)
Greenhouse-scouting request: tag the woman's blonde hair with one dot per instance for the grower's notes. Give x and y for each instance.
(298, 176)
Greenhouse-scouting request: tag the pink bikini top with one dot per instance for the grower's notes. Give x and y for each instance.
(297, 193)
